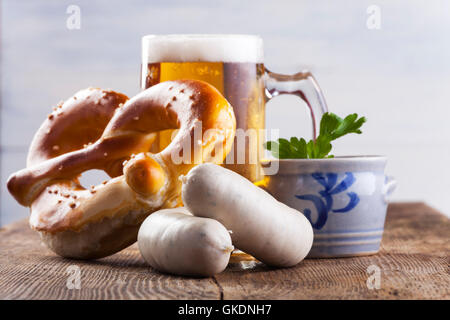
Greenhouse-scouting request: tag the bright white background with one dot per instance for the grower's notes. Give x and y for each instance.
(397, 76)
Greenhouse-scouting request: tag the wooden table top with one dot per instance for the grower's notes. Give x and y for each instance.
(413, 264)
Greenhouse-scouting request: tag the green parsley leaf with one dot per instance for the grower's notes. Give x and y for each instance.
(332, 127)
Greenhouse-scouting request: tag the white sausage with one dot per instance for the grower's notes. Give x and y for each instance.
(173, 241)
(261, 226)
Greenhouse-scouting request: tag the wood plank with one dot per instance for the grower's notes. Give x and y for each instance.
(414, 263)
(28, 270)
(413, 260)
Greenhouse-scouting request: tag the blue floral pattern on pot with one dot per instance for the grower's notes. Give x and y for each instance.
(324, 201)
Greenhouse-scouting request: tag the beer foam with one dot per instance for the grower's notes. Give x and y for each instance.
(210, 48)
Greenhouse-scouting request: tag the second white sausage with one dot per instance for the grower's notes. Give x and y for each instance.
(267, 229)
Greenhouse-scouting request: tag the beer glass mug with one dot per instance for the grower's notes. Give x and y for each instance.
(234, 65)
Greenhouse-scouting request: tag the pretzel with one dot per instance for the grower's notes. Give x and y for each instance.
(98, 129)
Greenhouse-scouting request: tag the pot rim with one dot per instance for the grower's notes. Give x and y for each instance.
(336, 158)
(336, 164)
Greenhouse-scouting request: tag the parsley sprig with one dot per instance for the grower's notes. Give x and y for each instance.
(331, 128)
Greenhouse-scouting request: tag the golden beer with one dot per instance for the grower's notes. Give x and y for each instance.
(234, 65)
(241, 83)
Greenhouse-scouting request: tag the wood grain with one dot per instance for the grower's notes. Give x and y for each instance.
(414, 264)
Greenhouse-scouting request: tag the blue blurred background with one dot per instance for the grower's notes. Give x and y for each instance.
(398, 76)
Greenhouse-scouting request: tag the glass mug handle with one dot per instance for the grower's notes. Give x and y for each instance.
(303, 85)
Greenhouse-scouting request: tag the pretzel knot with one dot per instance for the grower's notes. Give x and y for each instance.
(102, 129)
